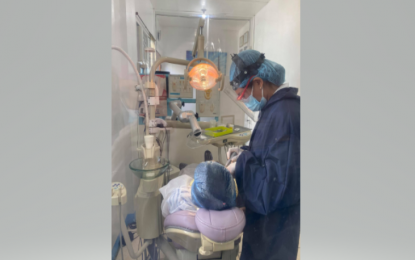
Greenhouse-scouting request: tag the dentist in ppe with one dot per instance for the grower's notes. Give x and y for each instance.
(267, 172)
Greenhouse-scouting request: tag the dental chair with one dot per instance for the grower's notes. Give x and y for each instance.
(206, 234)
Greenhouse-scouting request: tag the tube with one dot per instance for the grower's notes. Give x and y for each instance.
(174, 114)
(186, 116)
(139, 82)
(176, 110)
(162, 60)
(121, 219)
(232, 95)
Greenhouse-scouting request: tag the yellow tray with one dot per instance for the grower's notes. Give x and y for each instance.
(218, 131)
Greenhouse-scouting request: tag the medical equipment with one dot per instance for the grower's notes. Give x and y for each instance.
(203, 76)
(147, 200)
(208, 234)
(202, 235)
(218, 131)
(185, 117)
(192, 236)
(150, 148)
(118, 198)
(238, 137)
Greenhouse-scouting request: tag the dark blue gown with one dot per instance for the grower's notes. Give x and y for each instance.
(268, 178)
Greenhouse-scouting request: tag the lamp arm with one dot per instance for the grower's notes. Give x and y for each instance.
(165, 59)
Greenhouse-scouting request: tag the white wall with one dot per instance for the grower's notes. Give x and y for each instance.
(146, 12)
(247, 27)
(175, 41)
(277, 34)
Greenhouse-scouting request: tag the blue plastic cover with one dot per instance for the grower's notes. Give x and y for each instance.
(213, 187)
(269, 71)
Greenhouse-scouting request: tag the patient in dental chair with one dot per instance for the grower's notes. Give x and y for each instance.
(212, 187)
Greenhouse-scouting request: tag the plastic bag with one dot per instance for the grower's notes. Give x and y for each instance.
(214, 188)
(177, 196)
(181, 199)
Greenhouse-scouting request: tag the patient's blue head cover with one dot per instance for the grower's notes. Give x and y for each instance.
(268, 71)
(213, 187)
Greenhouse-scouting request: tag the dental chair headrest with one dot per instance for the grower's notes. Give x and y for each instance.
(220, 226)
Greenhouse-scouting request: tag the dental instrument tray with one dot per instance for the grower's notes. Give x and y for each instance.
(218, 131)
(239, 136)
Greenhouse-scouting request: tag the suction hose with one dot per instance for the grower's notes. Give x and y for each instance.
(195, 126)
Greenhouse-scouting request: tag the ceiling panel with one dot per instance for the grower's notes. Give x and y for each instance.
(221, 8)
(166, 21)
(183, 22)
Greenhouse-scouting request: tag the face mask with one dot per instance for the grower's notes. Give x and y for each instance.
(254, 104)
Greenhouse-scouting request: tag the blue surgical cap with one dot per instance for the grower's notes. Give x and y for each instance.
(213, 187)
(268, 71)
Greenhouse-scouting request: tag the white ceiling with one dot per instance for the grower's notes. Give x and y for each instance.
(167, 21)
(192, 22)
(215, 8)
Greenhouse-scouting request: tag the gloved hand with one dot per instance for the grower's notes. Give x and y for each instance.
(236, 150)
(231, 168)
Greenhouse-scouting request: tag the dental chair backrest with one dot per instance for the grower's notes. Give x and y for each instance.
(205, 232)
(208, 157)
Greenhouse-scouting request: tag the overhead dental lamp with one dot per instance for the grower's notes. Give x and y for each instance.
(204, 75)
(201, 73)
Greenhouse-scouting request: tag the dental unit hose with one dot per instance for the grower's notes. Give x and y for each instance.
(122, 253)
